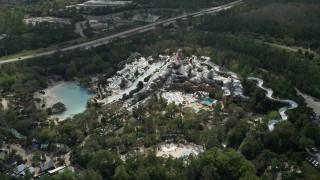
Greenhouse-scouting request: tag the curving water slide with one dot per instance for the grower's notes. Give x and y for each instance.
(269, 93)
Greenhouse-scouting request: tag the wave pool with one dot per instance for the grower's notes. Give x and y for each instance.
(73, 96)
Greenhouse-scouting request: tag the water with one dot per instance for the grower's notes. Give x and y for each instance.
(73, 96)
(282, 111)
(269, 94)
(17, 134)
(207, 101)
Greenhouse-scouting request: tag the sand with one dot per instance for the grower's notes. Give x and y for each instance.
(177, 153)
(4, 103)
(49, 99)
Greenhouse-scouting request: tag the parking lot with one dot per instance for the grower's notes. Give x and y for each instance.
(314, 157)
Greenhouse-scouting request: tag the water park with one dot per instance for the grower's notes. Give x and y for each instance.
(269, 95)
(177, 150)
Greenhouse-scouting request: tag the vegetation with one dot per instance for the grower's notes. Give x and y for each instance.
(20, 36)
(112, 133)
(189, 4)
(310, 172)
(58, 107)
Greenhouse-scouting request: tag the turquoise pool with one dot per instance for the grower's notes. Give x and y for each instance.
(73, 96)
(207, 101)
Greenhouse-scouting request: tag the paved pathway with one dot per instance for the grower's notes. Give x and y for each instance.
(315, 105)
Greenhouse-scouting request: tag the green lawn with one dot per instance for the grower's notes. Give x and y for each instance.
(17, 55)
(310, 171)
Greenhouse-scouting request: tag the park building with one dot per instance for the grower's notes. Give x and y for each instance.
(101, 3)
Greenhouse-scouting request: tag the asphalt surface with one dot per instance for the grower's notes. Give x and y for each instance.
(124, 34)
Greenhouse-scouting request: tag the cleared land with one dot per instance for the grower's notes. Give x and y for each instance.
(310, 172)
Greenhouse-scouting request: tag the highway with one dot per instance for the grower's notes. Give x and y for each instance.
(141, 29)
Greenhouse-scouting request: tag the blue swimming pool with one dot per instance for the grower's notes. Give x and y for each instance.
(207, 101)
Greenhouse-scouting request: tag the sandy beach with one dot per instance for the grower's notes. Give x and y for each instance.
(310, 101)
(4, 103)
(49, 99)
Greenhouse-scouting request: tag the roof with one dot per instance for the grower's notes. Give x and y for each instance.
(19, 168)
(46, 166)
(56, 169)
(42, 146)
(63, 147)
(35, 146)
(30, 169)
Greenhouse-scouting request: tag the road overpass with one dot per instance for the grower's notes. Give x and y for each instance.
(124, 34)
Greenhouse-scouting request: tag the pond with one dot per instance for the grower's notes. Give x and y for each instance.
(73, 96)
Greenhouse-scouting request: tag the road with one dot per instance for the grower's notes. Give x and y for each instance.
(124, 34)
(19, 150)
(315, 105)
(282, 46)
(78, 28)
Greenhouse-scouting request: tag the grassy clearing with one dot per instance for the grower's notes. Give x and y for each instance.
(17, 55)
(310, 171)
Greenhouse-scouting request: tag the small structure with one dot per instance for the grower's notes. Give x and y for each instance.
(44, 147)
(178, 150)
(22, 170)
(56, 170)
(62, 147)
(18, 169)
(101, 3)
(98, 26)
(47, 166)
(2, 36)
(51, 20)
(146, 17)
(35, 146)
(31, 170)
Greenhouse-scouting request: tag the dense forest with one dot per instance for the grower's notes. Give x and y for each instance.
(21, 36)
(289, 23)
(189, 4)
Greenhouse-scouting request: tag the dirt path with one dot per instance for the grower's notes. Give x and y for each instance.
(19, 150)
(67, 156)
(79, 29)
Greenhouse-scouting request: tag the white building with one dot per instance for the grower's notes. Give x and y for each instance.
(48, 19)
(2, 36)
(102, 3)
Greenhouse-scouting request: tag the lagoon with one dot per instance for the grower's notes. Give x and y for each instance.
(73, 96)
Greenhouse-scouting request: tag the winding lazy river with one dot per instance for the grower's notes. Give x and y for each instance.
(269, 93)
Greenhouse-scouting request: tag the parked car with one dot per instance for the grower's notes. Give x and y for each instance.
(313, 150)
